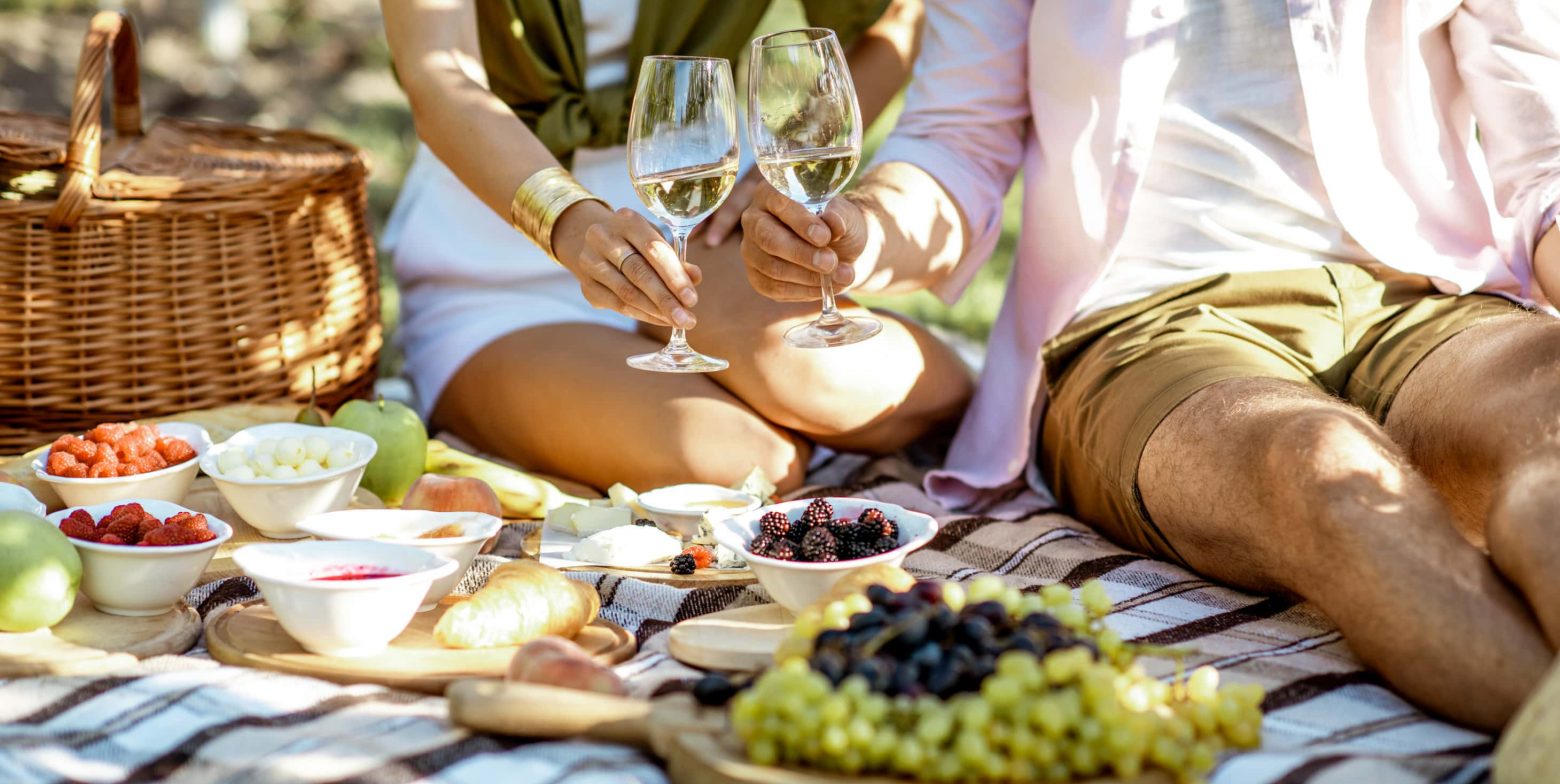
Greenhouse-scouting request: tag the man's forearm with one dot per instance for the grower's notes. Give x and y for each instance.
(915, 233)
(1546, 265)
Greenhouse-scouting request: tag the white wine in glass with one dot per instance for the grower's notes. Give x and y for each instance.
(682, 159)
(805, 126)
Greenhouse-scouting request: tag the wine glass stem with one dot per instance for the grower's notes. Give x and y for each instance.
(831, 313)
(678, 343)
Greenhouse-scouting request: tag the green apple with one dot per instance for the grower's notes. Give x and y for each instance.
(402, 440)
(39, 573)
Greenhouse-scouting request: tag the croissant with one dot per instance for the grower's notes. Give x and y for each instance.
(523, 600)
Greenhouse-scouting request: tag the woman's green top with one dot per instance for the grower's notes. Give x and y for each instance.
(534, 53)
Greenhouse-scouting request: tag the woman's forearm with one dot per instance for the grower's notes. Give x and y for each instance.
(881, 59)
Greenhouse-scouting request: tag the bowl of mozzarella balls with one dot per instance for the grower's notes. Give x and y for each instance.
(276, 475)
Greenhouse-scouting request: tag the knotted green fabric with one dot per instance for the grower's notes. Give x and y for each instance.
(534, 53)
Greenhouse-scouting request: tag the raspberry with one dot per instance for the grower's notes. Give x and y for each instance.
(762, 543)
(820, 546)
(62, 463)
(703, 557)
(75, 447)
(783, 550)
(103, 469)
(884, 544)
(109, 432)
(153, 461)
(136, 443)
(819, 512)
(175, 450)
(79, 525)
(111, 539)
(774, 523)
(874, 519)
(129, 469)
(684, 564)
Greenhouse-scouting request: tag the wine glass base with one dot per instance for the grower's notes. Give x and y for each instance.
(668, 360)
(830, 334)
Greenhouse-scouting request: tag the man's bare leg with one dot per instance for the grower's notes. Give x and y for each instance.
(1481, 418)
(1269, 485)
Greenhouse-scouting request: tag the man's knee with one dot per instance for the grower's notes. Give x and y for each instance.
(1334, 469)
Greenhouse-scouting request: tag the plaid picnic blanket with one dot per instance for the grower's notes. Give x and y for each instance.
(188, 719)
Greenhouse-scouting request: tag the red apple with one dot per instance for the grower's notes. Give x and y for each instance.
(437, 493)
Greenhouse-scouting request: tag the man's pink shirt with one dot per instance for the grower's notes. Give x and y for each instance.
(1071, 91)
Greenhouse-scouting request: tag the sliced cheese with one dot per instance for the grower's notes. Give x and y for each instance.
(561, 518)
(632, 545)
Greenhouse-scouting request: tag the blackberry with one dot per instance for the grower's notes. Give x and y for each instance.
(874, 519)
(776, 524)
(884, 544)
(762, 543)
(846, 530)
(645, 521)
(819, 512)
(798, 530)
(852, 549)
(782, 550)
(684, 564)
(820, 546)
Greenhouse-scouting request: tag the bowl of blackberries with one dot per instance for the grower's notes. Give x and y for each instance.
(798, 550)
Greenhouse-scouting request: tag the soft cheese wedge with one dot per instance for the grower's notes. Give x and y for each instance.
(630, 545)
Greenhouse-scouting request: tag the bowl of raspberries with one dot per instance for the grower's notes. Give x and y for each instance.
(798, 550)
(122, 460)
(140, 557)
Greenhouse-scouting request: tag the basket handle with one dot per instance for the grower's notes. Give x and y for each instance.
(84, 153)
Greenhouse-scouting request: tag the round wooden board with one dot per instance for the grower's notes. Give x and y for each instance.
(88, 642)
(739, 640)
(249, 635)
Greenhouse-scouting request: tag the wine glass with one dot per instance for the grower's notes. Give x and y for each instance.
(682, 159)
(805, 127)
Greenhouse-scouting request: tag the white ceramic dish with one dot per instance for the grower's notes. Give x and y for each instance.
(402, 526)
(795, 585)
(167, 484)
(274, 506)
(680, 508)
(129, 580)
(16, 498)
(342, 617)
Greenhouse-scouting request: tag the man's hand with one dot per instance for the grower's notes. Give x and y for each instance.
(786, 248)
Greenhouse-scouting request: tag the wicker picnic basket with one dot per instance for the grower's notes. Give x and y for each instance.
(187, 266)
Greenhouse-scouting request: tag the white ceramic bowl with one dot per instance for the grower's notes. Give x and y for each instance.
(794, 585)
(342, 617)
(129, 580)
(680, 508)
(402, 526)
(274, 506)
(168, 484)
(17, 498)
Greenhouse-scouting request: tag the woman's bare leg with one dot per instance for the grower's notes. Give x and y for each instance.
(559, 399)
(875, 396)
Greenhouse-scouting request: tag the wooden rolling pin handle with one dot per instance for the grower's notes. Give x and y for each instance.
(533, 711)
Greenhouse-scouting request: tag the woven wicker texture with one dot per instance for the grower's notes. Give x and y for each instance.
(206, 264)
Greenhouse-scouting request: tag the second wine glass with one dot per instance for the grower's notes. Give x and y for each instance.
(682, 159)
(805, 125)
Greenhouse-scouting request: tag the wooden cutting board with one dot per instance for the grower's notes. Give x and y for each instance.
(739, 640)
(661, 573)
(88, 642)
(696, 742)
(249, 635)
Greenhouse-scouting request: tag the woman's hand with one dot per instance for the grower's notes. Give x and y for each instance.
(787, 248)
(624, 264)
(729, 216)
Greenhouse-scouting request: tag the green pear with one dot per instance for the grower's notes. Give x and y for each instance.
(39, 573)
(402, 440)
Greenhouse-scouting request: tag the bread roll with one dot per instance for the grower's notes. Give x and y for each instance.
(522, 601)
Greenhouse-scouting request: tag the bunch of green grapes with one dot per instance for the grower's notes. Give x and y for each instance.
(938, 683)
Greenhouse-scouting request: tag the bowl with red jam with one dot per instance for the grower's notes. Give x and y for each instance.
(343, 598)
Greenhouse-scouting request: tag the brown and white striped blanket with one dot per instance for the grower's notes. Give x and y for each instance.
(188, 719)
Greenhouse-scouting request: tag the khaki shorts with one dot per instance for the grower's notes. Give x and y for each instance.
(1349, 330)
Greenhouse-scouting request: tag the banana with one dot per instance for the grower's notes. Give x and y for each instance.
(522, 495)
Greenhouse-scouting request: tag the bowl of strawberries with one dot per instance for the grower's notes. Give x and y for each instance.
(122, 460)
(140, 557)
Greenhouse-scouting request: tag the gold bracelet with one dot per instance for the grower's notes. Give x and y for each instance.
(541, 199)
